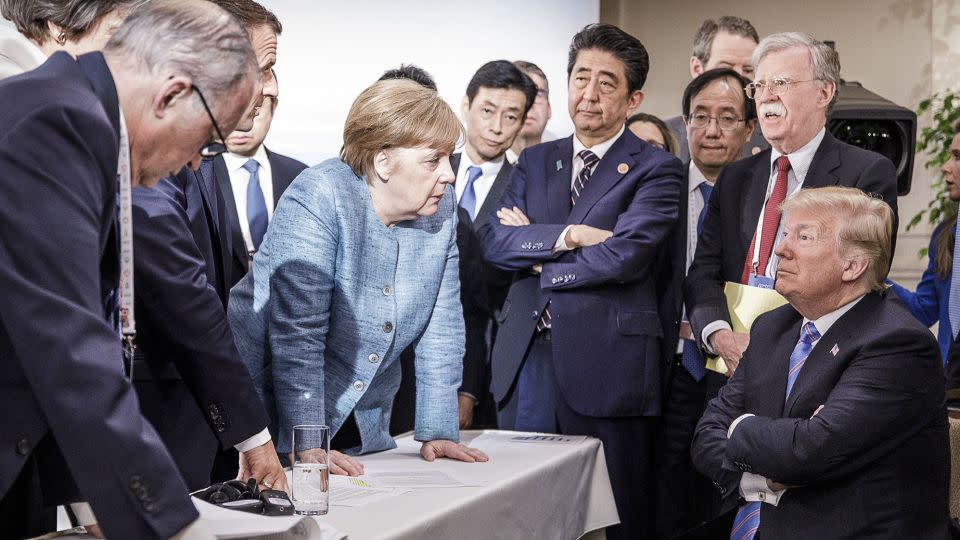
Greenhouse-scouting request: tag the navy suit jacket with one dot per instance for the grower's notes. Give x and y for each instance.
(182, 328)
(873, 463)
(735, 207)
(605, 306)
(283, 169)
(61, 362)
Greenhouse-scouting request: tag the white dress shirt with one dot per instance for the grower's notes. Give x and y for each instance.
(695, 205)
(481, 186)
(239, 178)
(754, 487)
(799, 166)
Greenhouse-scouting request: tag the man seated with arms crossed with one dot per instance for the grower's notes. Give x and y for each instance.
(834, 424)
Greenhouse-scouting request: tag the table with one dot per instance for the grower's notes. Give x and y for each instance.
(555, 490)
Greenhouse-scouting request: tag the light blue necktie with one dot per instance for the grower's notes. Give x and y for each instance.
(953, 307)
(692, 358)
(256, 205)
(747, 522)
(468, 200)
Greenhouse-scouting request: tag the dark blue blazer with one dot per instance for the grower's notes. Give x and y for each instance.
(607, 330)
(183, 334)
(283, 169)
(873, 463)
(60, 361)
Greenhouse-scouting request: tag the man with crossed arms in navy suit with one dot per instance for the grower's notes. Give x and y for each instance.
(833, 425)
(579, 350)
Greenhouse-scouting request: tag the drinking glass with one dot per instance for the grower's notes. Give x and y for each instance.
(310, 488)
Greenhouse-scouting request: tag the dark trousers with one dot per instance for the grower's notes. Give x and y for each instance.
(23, 513)
(627, 441)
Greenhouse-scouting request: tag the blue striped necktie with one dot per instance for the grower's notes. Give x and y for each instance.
(953, 307)
(747, 522)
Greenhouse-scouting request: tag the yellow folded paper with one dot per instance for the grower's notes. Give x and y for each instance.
(745, 304)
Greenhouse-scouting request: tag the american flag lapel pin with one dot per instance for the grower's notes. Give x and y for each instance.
(835, 349)
(559, 164)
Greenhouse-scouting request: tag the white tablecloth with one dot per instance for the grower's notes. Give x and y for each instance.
(550, 490)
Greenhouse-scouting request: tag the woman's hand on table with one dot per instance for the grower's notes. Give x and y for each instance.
(345, 465)
(439, 448)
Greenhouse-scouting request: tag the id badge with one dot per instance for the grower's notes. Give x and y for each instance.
(762, 282)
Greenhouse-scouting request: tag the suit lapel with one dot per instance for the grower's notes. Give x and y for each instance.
(493, 196)
(754, 198)
(606, 174)
(231, 214)
(822, 359)
(276, 175)
(558, 174)
(825, 161)
(774, 384)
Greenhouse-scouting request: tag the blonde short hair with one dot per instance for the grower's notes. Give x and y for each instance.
(864, 225)
(396, 113)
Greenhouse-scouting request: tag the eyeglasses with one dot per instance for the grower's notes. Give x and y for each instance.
(726, 122)
(212, 148)
(776, 87)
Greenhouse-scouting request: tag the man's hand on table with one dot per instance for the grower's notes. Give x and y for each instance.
(263, 465)
(439, 448)
(340, 463)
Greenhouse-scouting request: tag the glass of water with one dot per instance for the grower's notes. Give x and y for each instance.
(310, 489)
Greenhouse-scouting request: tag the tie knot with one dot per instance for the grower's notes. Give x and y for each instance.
(473, 172)
(589, 158)
(783, 163)
(706, 188)
(251, 166)
(809, 334)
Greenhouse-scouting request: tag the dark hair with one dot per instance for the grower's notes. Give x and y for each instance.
(944, 255)
(626, 48)
(75, 17)
(502, 74)
(737, 26)
(251, 14)
(530, 67)
(669, 141)
(412, 73)
(704, 79)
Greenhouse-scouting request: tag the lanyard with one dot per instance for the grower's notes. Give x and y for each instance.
(755, 262)
(128, 323)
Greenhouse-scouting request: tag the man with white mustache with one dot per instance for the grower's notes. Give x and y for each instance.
(794, 88)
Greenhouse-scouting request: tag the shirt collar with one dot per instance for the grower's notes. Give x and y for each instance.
(695, 178)
(600, 149)
(801, 158)
(487, 169)
(826, 321)
(234, 162)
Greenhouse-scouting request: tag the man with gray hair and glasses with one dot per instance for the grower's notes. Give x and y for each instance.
(77, 135)
(795, 86)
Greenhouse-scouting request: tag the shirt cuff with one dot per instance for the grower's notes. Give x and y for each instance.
(754, 488)
(84, 514)
(257, 440)
(197, 530)
(561, 244)
(710, 329)
(735, 423)
(469, 395)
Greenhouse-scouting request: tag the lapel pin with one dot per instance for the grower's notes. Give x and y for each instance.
(622, 168)
(835, 349)
(559, 164)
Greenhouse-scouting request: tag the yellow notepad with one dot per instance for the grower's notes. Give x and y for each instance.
(745, 304)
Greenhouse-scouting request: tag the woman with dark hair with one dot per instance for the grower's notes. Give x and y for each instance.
(930, 303)
(654, 131)
(360, 261)
(48, 26)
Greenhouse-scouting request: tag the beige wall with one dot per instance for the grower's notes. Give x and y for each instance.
(900, 49)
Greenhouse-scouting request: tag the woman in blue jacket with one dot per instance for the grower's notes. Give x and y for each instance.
(360, 261)
(930, 302)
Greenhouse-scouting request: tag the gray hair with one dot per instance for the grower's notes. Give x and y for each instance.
(737, 26)
(195, 39)
(824, 61)
(75, 17)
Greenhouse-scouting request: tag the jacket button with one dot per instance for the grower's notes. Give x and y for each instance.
(135, 483)
(387, 290)
(358, 385)
(23, 447)
(388, 327)
(373, 358)
(535, 315)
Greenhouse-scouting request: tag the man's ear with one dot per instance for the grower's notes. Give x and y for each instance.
(827, 91)
(854, 268)
(696, 67)
(634, 101)
(382, 165)
(173, 91)
(464, 107)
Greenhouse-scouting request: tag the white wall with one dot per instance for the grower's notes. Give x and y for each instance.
(330, 51)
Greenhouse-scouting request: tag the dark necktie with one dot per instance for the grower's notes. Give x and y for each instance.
(468, 200)
(256, 205)
(692, 359)
(747, 522)
(579, 183)
(771, 221)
